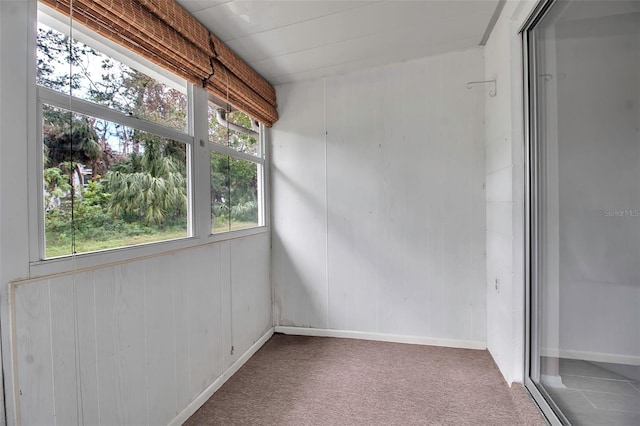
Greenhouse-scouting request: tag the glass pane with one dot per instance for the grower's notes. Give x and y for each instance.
(88, 74)
(587, 65)
(234, 193)
(115, 186)
(244, 194)
(220, 193)
(219, 133)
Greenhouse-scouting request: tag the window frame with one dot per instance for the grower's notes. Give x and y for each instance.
(199, 221)
(46, 96)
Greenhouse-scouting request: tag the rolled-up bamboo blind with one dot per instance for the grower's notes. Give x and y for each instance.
(182, 21)
(163, 32)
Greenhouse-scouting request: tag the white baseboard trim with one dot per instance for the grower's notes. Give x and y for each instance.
(394, 338)
(552, 381)
(591, 356)
(217, 384)
(600, 357)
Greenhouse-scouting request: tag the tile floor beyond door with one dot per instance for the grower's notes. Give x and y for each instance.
(598, 394)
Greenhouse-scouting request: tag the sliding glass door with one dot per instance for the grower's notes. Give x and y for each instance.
(584, 211)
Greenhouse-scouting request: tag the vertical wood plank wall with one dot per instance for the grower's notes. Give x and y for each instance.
(378, 201)
(505, 317)
(137, 342)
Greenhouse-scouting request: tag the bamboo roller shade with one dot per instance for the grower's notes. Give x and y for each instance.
(166, 34)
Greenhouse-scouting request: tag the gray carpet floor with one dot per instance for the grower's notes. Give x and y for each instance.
(294, 380)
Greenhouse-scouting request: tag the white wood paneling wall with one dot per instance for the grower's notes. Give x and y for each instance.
(378, 201)
(136, 343)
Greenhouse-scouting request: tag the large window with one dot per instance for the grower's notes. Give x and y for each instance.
(116, 148)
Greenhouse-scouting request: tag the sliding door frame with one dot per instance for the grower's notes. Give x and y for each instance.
(531, 213)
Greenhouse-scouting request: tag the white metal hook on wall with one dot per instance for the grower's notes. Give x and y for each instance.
(492, 92)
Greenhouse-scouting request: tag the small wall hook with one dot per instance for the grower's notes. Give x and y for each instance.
(547, 77)
(492, 92)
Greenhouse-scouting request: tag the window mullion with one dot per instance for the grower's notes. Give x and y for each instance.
(191, 228)
(36, 186)
(62, 100)
(236, 154)
(263, 180)
(201, 165)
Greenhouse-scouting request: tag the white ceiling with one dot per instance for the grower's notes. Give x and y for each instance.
(296, 40)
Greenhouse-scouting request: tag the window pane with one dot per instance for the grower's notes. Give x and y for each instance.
(234, 193)
(88, 74)
(244, 194)
(242, 142)
(116, 186)
(220, 193)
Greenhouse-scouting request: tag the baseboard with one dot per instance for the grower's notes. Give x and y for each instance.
(552, 381)
(591, 356)
(395, 338)
(217, 384)
(600, 357)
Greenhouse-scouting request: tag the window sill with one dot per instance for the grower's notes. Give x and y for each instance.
(240, 233)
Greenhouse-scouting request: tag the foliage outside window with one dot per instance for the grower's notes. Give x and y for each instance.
(71, 67)
(235, 173)
(107, 185)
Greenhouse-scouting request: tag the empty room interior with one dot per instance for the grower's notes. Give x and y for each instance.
(315, 212)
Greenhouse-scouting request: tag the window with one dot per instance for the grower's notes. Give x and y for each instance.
(107, 185)
(115, 151)
(236, 171)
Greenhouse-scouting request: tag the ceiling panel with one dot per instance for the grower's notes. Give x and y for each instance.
(415, 42)
(378, 18)
(234, 19)
(373, 61)
(196, 5)
(295, 40)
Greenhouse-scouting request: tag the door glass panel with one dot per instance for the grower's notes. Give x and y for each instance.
(586, 268)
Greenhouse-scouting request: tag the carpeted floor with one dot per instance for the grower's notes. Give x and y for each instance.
(294, 380)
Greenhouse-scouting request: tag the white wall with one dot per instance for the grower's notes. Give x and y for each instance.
(505, 193)
(378, 201)
(137, 342)
(129, 343)
(14, 249)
